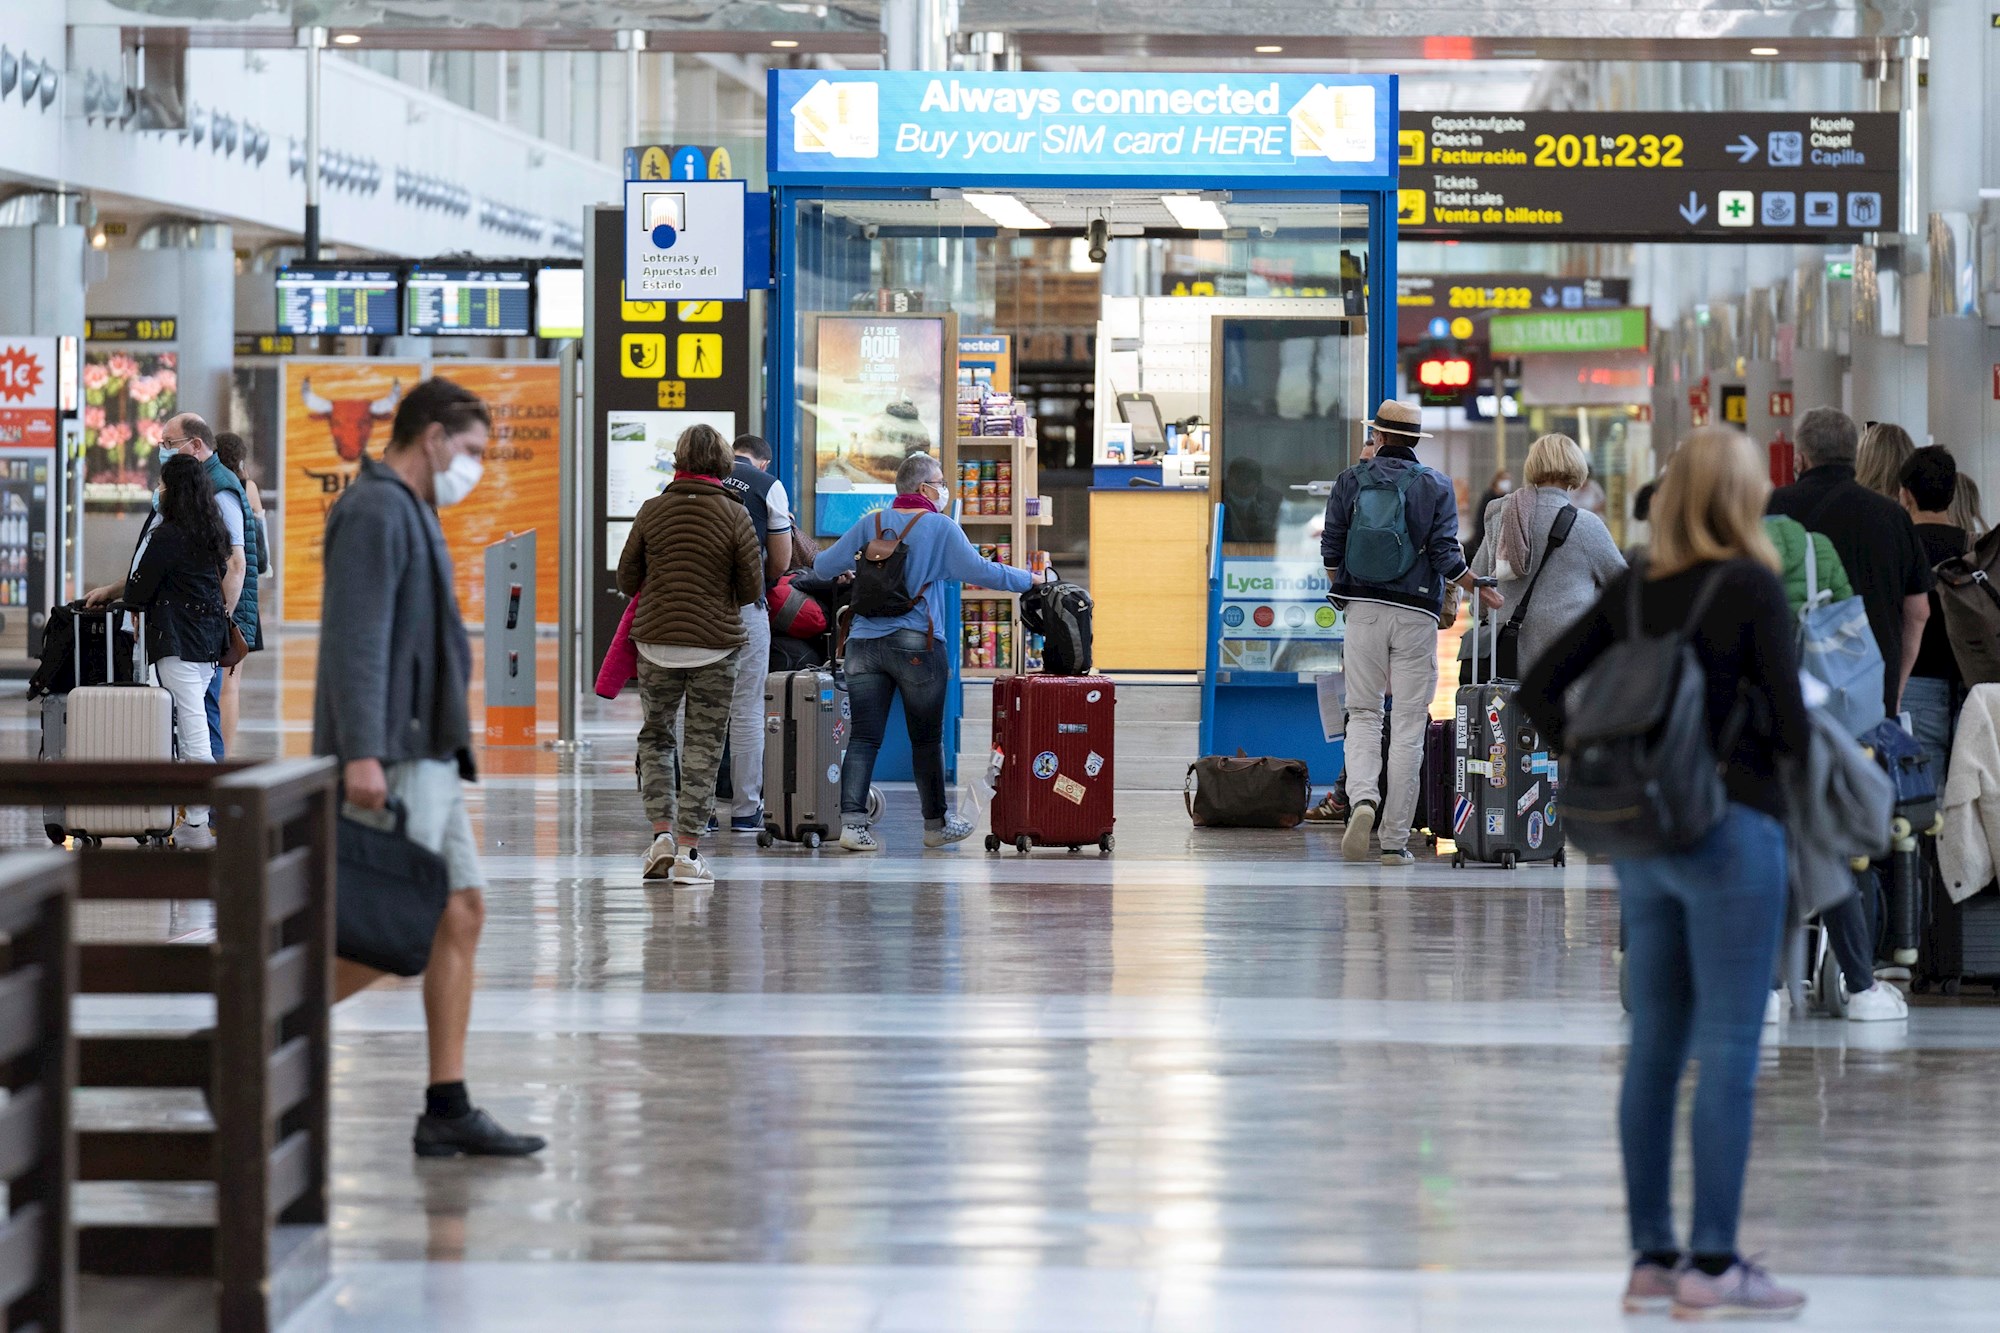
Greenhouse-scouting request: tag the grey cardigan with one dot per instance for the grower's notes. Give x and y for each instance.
(394, 661)
(1579, 571)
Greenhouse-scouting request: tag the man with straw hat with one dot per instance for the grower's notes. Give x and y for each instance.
(1390, 547)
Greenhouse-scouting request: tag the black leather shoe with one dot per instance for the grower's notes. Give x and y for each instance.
(474, 1134)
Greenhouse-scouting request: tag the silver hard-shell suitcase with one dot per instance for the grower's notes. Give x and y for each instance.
(127, 720)
(807, 724)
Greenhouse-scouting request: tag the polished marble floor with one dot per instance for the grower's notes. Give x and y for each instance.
(1217, 1081)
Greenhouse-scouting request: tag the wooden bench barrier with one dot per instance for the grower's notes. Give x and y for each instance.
(244, 1199)
(37, 1067)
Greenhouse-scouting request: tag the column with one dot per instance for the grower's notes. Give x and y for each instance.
(1960, 157)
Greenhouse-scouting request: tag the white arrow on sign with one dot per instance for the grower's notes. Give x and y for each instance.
(1549, 297)
(1694, 210)
(1743, 149)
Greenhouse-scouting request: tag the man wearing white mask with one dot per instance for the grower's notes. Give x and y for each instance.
(394, 669)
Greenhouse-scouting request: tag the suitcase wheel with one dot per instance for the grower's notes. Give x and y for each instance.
(992, 843)
(764, 838)
(1562, 858)
(57, 834)
(1105, 844)
(1951, 986)
(1023, 844)
(811, 840)
(1458, 860)
(1507, 861)
(876, 802)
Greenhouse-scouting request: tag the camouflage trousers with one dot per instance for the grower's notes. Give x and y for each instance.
(705, 691)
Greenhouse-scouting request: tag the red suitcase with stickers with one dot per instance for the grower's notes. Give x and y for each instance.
(1054, 735)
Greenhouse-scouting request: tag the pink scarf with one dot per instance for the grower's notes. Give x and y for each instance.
(915, 500)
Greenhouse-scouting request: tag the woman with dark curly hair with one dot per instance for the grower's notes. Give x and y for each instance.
(177, 581)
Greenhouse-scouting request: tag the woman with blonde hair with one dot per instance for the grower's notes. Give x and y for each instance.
(1552, 557)
(1885, 451)
(1965, 508)
(1701, 926)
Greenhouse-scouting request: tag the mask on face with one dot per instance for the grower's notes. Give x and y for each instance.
(167, 451)
(456, 482)
(1504, 487)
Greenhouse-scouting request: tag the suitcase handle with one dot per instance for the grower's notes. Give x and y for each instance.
(1493, 672)
(111, 612)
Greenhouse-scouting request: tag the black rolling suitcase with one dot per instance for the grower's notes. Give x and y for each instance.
(1504, 780)
(807, 722)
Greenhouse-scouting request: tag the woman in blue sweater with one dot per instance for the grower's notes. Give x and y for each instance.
(903, 654)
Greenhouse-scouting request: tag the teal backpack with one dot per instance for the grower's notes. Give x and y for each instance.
(1379, 547)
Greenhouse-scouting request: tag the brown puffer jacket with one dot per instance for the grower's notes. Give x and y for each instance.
(694, 552)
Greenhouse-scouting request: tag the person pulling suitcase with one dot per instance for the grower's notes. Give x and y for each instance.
(896, 646)
(1390, 547)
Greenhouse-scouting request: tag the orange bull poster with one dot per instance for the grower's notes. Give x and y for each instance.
(522, 485)
(336, 410)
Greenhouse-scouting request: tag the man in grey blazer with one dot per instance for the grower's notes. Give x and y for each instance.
(394, 668)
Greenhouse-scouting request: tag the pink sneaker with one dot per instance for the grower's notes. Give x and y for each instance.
(1744, 1292)
(1651, 1289)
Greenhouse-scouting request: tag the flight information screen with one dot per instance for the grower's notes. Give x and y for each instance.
(324, 299)
(469, 302)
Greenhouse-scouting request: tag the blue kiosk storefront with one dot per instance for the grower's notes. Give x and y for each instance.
(900, 196)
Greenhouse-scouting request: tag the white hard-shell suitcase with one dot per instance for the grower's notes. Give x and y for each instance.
(127, 720)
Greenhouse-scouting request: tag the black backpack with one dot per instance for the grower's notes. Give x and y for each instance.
(879, 589)
(1643, 778)
(1060, 613)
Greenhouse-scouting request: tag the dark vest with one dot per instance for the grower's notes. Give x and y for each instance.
(750, 485)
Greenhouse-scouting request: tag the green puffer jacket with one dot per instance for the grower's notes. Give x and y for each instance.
(1790, 537)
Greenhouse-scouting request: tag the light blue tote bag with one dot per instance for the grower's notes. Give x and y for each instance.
(1838, 649)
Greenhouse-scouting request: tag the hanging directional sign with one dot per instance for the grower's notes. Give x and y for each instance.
(1736, 176)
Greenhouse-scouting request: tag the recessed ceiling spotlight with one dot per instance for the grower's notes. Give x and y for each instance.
(783, 43)
(1763, 50)
(1267, 50)
(347, 39)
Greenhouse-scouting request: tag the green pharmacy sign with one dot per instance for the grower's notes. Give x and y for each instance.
(1569, 331)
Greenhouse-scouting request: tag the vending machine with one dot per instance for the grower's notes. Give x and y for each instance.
(29, 496)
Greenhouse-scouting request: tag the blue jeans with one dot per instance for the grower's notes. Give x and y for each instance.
(1701, 940)
(214, 708)
(1928, 702)
(910, 663)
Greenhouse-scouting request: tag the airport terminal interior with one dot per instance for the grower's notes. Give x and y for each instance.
(1146, 1034)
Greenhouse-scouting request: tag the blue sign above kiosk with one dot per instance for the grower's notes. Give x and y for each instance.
(1298, 131)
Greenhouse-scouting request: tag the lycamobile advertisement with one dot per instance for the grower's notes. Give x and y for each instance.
(1275, 617)
(1232, 127)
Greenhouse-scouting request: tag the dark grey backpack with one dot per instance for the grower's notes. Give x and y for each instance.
(1643, 776)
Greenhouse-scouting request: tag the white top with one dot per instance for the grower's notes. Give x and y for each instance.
(672, 657)
(780, 506)
(232, 516)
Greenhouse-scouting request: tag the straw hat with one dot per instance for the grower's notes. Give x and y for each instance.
(1400, 419)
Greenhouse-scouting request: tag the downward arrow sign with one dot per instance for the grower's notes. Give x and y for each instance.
(1694, 210)
(1549, 297)
(1743, 150)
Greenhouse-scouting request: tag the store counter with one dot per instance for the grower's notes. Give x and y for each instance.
(1149, 578)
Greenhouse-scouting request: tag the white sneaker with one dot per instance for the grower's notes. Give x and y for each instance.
(1880, 1003)
(691, 869)
(954, 830)
(1360, 824)
(194, 838)
(858, 838)
(659, 857)
(1774, 1008)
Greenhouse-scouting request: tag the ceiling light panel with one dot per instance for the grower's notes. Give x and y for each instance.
(1007, 211)
(1195, 213)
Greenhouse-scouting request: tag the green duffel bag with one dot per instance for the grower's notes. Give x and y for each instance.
(1238, 791)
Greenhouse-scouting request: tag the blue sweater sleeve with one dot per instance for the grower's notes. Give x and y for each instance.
(963, 563)
(838, 558)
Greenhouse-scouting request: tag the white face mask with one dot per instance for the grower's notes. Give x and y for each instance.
(1505, 487)
(456, 482)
